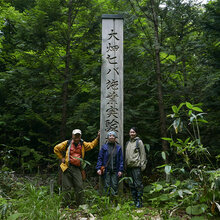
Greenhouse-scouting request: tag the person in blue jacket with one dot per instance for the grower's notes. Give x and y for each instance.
(110, 164)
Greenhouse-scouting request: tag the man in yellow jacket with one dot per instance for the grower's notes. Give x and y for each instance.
(71, 154)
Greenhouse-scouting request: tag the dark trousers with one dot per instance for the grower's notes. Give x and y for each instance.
(111, 182)
(136, 185)
(72, 178)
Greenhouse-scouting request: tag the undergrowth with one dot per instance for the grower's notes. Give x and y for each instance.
(189, 199)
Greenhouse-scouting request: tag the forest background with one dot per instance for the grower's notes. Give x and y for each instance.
(50, 66)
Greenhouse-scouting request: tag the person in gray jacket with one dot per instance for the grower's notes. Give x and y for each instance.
(135, 162)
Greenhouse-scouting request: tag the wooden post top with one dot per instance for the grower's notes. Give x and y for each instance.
(112, 16)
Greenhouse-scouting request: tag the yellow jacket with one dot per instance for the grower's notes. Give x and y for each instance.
(60, 148)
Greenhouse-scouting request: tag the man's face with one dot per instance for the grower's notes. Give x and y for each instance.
(132, 134)
(111, 138)
(76, 138)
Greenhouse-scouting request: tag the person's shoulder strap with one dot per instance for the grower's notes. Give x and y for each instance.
(137, 142)
(81, 142)
(68, 143)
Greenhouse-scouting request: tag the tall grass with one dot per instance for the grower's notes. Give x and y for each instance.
(37, 203)
(26, 199)
(21, 199)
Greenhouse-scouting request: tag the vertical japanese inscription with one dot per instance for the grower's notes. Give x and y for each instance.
(112, 77)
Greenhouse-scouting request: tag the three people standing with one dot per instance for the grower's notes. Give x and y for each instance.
(110, 164)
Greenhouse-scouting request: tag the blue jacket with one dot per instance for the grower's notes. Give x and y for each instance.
(103, 158)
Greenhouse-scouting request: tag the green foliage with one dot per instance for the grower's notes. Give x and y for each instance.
(49, 47)
(23, 199)
(197, 209)
(33, 55)
(37, 203)
(115, 207)
(196, 195)
(196, 187)
(34, 39)
(187, 121)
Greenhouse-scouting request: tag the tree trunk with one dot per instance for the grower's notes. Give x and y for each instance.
(186, 94)
(66, 81)
(163, 130)
(66, 73)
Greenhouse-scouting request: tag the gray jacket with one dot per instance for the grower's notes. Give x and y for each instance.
(135, 157)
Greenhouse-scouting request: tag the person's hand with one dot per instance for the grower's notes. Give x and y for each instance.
(99, 172)
(98, 134)
(63, 160)
(119, 174)
(143, 168)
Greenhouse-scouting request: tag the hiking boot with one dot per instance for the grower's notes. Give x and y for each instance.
(139, 202)
(134, 197)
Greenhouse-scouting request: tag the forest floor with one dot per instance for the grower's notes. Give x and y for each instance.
(39, 197)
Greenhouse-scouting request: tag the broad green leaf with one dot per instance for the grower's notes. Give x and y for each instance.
(174, 108)
(158, 187)
(163, 155)
(196, 210)
(188, 105)
(180, 106)
(197, 109)
(179, 140)
(177, 183)
(187, 140)
(190, 112)
(147, 188)
(164, 197)
(187, 191)
(167, 139)
(180, 192)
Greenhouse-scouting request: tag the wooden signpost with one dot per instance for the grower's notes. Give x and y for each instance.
(112, 100)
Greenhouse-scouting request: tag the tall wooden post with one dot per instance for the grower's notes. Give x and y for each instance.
(112, 80)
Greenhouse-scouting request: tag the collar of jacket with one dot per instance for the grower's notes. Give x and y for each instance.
(133, 140)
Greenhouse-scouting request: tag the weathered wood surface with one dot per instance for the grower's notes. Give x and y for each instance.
(112, 99)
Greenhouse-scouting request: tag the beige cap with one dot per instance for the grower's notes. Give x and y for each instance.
(77, 131)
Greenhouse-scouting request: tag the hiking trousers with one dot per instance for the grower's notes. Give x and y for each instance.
(72, 178)
(136, 185)
(111, 183)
